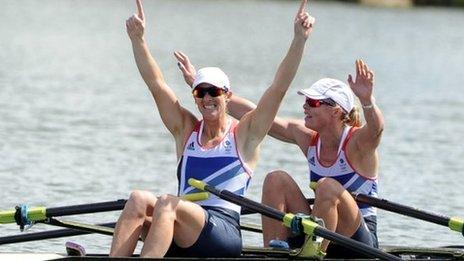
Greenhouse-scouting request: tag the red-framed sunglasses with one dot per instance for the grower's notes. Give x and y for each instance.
(317, 103)
(199, 92)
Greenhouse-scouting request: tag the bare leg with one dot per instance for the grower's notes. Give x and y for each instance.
(337, 208)
(129, 227)
(176, 219)
(281, 192)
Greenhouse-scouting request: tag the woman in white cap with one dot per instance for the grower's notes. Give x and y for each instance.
(216, 149)
(341, 155)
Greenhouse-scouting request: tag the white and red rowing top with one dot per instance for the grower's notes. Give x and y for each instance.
(342, 171)
(220, 166)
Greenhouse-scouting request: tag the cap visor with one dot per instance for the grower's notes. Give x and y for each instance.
(312, 94)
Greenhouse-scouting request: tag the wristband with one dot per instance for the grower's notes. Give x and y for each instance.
(369, 106)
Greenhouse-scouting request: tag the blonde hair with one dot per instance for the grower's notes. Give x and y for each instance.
(353, 118)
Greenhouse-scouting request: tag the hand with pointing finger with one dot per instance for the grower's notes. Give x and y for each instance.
(135, 25)
(303, 24)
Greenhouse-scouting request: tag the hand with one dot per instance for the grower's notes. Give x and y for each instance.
(186, 67)
(303, 24)
(135, 25)
(363, 84)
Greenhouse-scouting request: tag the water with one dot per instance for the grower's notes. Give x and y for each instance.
(77, 124)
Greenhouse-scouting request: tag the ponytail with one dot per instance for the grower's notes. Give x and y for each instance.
(353, 118)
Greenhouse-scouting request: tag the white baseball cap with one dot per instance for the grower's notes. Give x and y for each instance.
(212, 75)
(328, 88)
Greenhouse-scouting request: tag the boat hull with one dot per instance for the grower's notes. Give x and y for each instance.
(259, 253)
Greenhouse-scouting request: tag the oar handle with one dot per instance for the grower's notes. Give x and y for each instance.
(199, 196)
(197, 183)
(236, 199)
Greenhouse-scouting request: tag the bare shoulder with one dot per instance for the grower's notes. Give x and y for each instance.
(364, 140)
(364, 160)
(304, 137)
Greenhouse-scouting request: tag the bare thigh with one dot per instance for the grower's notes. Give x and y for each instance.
(189, 222)
(280, 188)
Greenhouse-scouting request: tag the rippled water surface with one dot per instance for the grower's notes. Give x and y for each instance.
(77, 124)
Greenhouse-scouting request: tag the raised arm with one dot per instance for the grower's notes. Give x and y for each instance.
(283, 129)
(368, 137)
(173, 115)
(254, 125)
(286, 130)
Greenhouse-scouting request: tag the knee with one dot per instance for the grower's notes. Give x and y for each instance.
(138, 203)
(166, 205)
(275, 180)
(328, 189)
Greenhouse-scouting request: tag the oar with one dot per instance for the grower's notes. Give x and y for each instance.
(251, 227)
(48, 234)
(23, 215)
(454, 223)
(84, 229)
(309, 227)
(104, 230)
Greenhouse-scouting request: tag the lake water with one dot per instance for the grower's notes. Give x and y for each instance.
(77, 124)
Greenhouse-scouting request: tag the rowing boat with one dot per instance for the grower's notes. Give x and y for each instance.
(260, 253)
(24, 216)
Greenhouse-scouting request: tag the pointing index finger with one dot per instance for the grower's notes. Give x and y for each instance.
(140, 10)
(302, 8)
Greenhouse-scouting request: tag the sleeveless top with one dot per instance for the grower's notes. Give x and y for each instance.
(342, 171)
(220, 166)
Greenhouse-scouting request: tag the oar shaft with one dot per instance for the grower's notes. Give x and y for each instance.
(107, 206)
(86, 208)
(353, 244)
(307, 224)
(109, 231)
(454, 223)
(47, 235)
(22, 214)
(402, 209)
(246, 203)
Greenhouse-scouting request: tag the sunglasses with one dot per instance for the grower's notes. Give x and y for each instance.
(317, 103)
(212, 91)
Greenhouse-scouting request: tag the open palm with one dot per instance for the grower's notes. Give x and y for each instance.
(363, 84)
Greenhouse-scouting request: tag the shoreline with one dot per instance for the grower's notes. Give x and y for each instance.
(408, 3)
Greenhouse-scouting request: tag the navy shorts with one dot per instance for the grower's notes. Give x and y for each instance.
(366, 233)
(220, 237)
